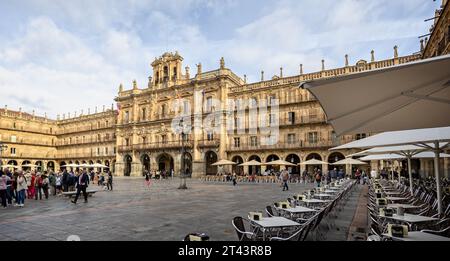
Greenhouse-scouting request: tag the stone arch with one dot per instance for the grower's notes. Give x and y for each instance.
(254, 169)
(165, 163)
(39, 165)
(25, 162)
(51, 166)
(270, 158)
(210, 158)
(313, 155)
(236, 168)
(295, 159)
(127, 160)
(145, 161)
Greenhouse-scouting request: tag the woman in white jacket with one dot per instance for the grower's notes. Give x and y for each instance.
(21, 189)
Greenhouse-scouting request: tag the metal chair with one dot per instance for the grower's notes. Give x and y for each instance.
(243, 235)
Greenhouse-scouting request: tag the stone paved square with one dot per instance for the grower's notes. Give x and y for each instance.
(134, 212)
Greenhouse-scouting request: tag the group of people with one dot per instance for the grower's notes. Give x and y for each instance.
(158, 174)
(20, 185)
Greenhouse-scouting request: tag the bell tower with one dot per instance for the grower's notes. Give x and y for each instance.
(167, 70)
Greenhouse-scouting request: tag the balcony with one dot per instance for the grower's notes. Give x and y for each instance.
(83, 155)
(296, 144)
(208, 143)
(161, 145)
(125, 148)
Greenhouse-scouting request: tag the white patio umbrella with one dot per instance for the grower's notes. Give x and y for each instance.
(349, 161)
(29, 165)
(313, 162)
(98, 165)
(71, 165)
(407, 96)
(223, 162)
(9, 166)
(84, 165)
(279, 163)
(432, 139)
(251, 163)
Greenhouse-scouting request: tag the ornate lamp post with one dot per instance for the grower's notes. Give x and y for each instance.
(183, 160)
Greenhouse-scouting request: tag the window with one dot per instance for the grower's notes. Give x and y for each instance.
(208, 104)
(13, 151)
(210, 136)
(291, 138)
(84, 139)
(166, 73)
(106, 150)
(253, 141)
(98, 151)
(144, 140)
(360, 136)
(114, 150)
(163, 111)
(272, 118)
(127, 142)
(186, 107)
(98, 138)
(51, 130)
(174, 76)
(291, 116)
(272, 99)
(13, 138)
(14, 125)
(163, 138)
(107, 123)
(144, 114)
(127, 117)
(237, 142)
(312, 137)
(98, 125)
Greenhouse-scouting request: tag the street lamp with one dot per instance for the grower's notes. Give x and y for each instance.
(183, 155)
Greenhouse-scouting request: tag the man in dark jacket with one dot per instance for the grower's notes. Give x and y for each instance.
(82, 184)
(65, 181)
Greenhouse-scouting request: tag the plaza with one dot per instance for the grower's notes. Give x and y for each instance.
(162, 212)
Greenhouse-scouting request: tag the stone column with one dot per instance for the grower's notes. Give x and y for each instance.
(198, 162)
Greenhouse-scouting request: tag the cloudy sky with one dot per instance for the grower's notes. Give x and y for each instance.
(59, 56)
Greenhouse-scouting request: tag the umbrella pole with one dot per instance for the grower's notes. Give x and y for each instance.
(436, 173)
(410, 175)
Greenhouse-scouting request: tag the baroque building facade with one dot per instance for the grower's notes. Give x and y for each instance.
(185, 123)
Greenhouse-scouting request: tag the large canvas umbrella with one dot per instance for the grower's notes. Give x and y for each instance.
(71, 165)
(251, 163)
(223, 162)
(8, 166)
(349, 161)
(313, 162)
(431, 139)
(279, 163)
(407, 96)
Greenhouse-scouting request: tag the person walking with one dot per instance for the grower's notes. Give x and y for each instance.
(333, 174)
(38, 187)
(21, 188)
(318, 177)
(110, 181)
(58, 183)
(82, 184)
(233, 178)
(45, 185)
(285, 178)
(65, 180)
(4, 179)
(52, 183)
(147, 179)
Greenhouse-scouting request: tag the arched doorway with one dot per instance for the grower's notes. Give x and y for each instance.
(12, 162)
(294, 159)
(39, 166)
(51, 166)
(61, 165)
(145, 161)
(239, 170)
(165, 163)
(127, 165)
(269, 159)
(334, 157)
(26, 162)
(77, 163)
(313, 156)
(210, 158)
(254, 169)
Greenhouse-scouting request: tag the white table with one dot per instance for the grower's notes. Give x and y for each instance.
(322, 195)
(330, 191)
(419, 236)
(269, 223)
(396, 198)
(405, 206)
(412, 219)
(393, 193)
(298, 210)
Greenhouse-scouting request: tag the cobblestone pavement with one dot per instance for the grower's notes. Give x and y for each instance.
(134, 212)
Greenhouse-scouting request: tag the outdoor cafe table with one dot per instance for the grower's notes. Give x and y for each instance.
(329, 191)
(405, 206)
(393, 193)
(266, 224)
(418, 236)
(322, 195)
(411, 219)
(314, 201)
(297, 210)
(396, 199)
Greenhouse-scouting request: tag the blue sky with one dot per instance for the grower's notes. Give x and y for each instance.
(64, 56)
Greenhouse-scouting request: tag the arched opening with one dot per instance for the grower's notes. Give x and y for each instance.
(187, 164)
(77, 163)
(254, 170)
(165, 164)
(26, 162)
(51, 166)
(127, 165)
(269, 159)
(39, 166)
(12, 162)
(294, 159)
(210, 158)
(145, 161)
(239, 170)
(61, 165)
(311, 156)
(334, 157)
